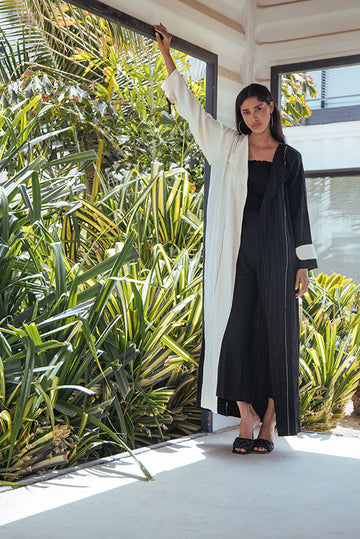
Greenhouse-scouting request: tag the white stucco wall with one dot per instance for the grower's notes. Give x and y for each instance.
(327, 146)
(291, 31)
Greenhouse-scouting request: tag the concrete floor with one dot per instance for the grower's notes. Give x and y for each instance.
(308, 487)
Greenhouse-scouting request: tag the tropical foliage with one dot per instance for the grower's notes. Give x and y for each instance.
(295, 87)
(101, 294)
(330, 350)
(102, 348)
(105, 82)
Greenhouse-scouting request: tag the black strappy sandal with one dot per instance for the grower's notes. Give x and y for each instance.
(243, 443)
(266, 444)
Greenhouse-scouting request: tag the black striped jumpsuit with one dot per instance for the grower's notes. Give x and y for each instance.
(240, 376)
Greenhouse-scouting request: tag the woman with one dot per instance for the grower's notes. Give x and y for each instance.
(258, 250)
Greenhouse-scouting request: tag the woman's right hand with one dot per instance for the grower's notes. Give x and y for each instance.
(164, 43)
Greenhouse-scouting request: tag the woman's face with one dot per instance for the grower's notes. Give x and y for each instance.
(256, 114)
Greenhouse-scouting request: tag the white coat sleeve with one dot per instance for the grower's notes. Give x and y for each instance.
(213, 137)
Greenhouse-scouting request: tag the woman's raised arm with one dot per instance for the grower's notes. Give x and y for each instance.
(213, 137)
(164, 38)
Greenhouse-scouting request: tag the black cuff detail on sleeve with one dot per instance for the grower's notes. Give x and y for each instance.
(309, 264)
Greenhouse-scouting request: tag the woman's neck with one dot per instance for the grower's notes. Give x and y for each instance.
(262, 141)
(262, 147)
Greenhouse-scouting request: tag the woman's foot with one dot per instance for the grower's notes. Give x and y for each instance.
(267, 427)
(243, 445)
(249, 421)
(262, 446)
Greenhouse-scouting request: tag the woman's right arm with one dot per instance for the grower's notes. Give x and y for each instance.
(304, 249)
(213, 137)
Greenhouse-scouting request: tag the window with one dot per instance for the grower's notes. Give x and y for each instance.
(328, 140)
(338, 95)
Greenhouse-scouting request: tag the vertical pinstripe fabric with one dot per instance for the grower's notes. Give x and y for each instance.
(284, 224)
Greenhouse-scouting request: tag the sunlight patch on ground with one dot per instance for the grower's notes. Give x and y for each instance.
(325, 444)
(65, 489)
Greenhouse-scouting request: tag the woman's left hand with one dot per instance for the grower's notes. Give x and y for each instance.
(301, 277)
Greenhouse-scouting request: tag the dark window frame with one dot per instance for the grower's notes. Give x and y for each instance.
(324, 114)
(307, 65)
(310, 65)
(330, 115)
(333, 173)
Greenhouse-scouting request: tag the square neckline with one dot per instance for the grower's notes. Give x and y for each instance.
(264, 160)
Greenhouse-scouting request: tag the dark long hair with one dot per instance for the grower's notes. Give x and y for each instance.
(263, 94)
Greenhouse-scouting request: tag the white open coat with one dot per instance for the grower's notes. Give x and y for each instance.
(227, 153)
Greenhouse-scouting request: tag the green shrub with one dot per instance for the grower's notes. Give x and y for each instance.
(330, 351)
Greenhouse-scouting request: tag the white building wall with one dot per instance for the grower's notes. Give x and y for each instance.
(300, 30)
(327, 146)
